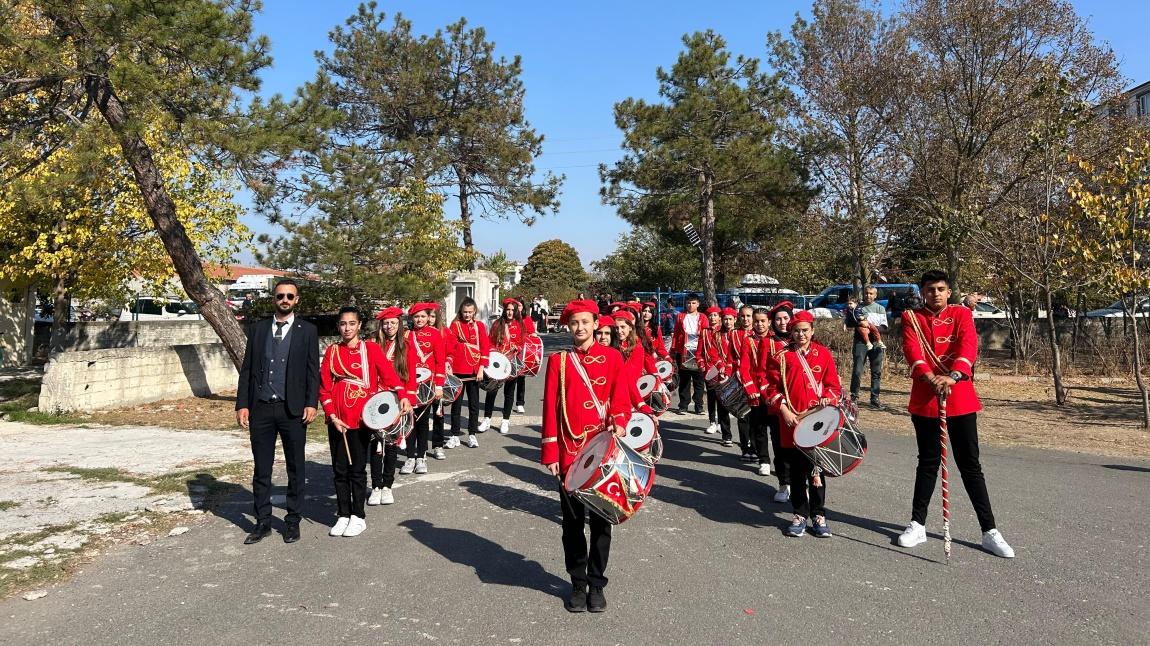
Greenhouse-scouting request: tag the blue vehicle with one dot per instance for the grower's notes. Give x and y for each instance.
(892, 296)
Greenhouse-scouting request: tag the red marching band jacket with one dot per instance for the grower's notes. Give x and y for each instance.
(636, 364)
(657, 342)
(951, 344)
(752, 364)
(570, 415)
(468, 347)
(349, 377)
(679, 335)
(513, 333)
(786, 377)
(716, 352)
(431, 352)
(409, 384)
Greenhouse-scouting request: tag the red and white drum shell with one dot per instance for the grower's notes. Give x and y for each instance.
(714, 376)
(610, 478)
(643, 436)
(666, 371)
(382, 414)
(425, 386)
(830, 440)
(532, 355)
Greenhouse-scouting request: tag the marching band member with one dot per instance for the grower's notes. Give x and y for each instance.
(801, 377)
(779, 338)
(636, 361)
(506, 337)
(708, 358)
(941, 346)
(438, 437)
(605, 331)
(351, 372)
(399, 350)
(720, 355)
(431, 355)
(521, 385)
(744, 319)
(751, 366)
(584, 395)
(469, 346)
(684, 347)
(653, 331)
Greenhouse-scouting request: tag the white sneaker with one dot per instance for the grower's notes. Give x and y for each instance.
(340, 526)
(472, 442)
(869, 347)
(504, 427)
(355, 527)
(421, 465)
(408, 466)
(993, 542)
(764, 469)
(451, 442)
(385, 498)
(519, 409)
(712, 429)
(373, 499)
(484, 425)
(914, 534)
(783, 494)
(881, 345)
(438, 453)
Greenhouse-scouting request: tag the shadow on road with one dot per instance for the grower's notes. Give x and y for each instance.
(492, 562)
(233, 502)
(1126, 467)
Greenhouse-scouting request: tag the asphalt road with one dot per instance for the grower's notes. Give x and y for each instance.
(470, 554)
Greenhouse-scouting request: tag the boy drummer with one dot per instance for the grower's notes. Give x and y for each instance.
(584, 395)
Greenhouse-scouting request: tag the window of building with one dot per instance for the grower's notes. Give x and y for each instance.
(1143, 102)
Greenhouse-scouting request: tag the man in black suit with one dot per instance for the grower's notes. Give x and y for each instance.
(277, 395)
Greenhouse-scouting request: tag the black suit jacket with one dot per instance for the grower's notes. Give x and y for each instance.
(302, 378)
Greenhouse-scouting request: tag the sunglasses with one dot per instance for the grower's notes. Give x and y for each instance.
(282, 295)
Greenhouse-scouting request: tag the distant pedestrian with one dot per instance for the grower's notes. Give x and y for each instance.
(865, 352)
(970, 302)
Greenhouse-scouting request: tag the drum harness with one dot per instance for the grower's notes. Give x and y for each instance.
(928, 352)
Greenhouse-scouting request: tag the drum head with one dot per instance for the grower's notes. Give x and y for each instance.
(422, 374)
(381, 411)
(819, 427)
(647, 385)
(585, 471)
(640, 432)
(664, 369)
(498, 366)
(713, 375)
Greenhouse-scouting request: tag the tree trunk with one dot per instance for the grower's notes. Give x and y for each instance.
(1055, 351)
(707, 220)
(1137, 360)
(61, 313)
(465, 216)
(162, 210)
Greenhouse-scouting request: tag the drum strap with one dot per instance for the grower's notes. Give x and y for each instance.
(472, 348)
(599, 407)
(925, 346)
(419, 351)
(345, 374)
(815, 386)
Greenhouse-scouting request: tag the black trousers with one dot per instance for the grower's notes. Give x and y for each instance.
(471, 391)
(717, 412)
(521, 387)
(690, 387)
(510, 390)
(761, 433)
(417, 441)
(437, 435)
(963, 431)
(383, 463)
(745, 433)
(266, 421)
(585, 566)
(782, 464)
(807, 500)
(350, 477)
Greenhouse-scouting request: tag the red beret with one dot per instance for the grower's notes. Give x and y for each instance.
(510, 301)
(785, 305)
(730, 311)
(578, 307)
(418, 307)
(803, 316)
(624, 315)
(714, 309)
(606, 323)
(390, 313)
(651, 305)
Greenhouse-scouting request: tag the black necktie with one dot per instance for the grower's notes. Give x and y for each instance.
(280, 330)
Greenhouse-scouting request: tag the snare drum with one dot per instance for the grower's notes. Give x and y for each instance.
(830, 440)
(666, 371)
(425, 388)
(714, 377)
(498, 370)
(532, 354)
(381, 414)
(517, 366)
(610, 478)
(734, 397)
(654, 393)
(452, 388)
(643, 436)
(691, 360)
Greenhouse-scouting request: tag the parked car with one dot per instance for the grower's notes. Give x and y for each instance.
(1115, 310)
(146, 308)
(985, 310)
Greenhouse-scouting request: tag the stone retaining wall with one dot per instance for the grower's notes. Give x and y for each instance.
(113, 378)
(99, 335)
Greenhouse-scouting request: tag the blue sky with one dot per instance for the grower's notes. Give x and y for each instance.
(579, 59)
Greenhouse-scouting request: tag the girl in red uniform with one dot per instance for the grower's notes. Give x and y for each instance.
(431, 355)
(636, 361)
(468, 347)
(399, 350)
(802, 377)
(744, 318)
(583, 396)
(779, 337)
(521, 380)
(605, 332)
(352, 371)
(653, 332)
(718, 355)
(506, 337)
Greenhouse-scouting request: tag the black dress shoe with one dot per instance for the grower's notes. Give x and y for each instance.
(578, 600)
(291, 533)
(596, 602)
(258, 534)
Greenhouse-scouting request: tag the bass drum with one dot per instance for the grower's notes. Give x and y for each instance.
(452, 389)
(425, 386)
(643, 436)
(532, 353)
(498, 370)
(610, 478)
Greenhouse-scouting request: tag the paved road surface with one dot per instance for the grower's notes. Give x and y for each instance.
(470, 554)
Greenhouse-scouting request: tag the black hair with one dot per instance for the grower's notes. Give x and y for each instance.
(933, 276)
(692, 297)
(351, 309)
(288, 281)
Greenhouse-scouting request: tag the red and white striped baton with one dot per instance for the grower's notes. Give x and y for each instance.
(943, 435)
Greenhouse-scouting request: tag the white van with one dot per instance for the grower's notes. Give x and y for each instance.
(146, 308)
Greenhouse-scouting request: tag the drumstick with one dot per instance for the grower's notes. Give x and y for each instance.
(346, 447)
(943, 433)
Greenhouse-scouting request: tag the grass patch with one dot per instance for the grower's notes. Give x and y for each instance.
(101, 474)
(18, 388)
(208, 479)
(5, 505)
(18, 395)
(41, 574)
